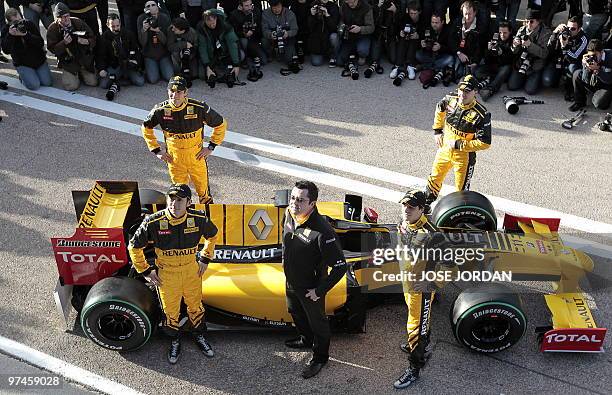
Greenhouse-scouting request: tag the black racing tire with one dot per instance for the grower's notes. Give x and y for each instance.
(488, 318)
(151, 196)
(120, 313)
(465, 210)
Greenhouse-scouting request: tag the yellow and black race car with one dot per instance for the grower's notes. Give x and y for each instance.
(245, 284)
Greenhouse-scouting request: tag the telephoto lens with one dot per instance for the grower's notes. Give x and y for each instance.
(230, 77)
(114, 88)
(511, 105)
(353, 68)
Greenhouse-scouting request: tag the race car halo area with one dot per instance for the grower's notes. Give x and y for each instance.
(366, 138)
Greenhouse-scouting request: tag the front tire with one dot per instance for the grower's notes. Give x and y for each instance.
(488, 318)
(465, 210)
(119, 313)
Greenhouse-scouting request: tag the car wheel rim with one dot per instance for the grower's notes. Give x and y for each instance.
(491, 330)
(116, 326)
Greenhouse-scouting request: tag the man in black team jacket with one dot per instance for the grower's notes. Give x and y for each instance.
(309, 248)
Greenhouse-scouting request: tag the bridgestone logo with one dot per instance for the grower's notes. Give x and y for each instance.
(507, 313)
(130, 312)
(88, 243)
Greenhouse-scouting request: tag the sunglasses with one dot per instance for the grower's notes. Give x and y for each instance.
(573, 29)
(150, 5)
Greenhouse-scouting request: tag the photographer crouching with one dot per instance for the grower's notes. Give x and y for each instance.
(383, 38)
(323, 38)
(246, 20)
(153, 26)
(435, 55)
(73, 43)
(355, 32)
(21, 39)
(411, 29)
(218, 49)
(279, 28)
(183, 45)
(566, 46)
(498, 60)
(464, 41)
(118, 58)
(595, 77)
(530, 52)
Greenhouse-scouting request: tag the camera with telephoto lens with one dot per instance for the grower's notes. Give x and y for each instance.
(230, 77)
(437, 78)
(150, 19)
(565, 33)
(114, 87)
(132, 62)
(20, 26)
(248, 26)
(351, 68)
(606, 123)
(343, 31)
(211, 80)
(428, 39)
(512, 103)
(525, 63)
(494, 44)
(280, 40)
(319, 8)
(186, 62)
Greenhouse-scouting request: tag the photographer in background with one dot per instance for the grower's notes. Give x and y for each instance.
(87, 11)
(38, 11)
(595, 77)
(118, 56)
(464, 41)
(323, 39)
(530, 52)
(279, 29)
(246, 20)
(183, 47)
(194, 8)
(301, 9)
(507, 10)
(497, 65)
(566, 46)
(73, 43)
(152, 28)
(218, 49)
(595, 18)
(355, 32)
(383, 39)
(21, 39)
(410, 31)
(434, 54)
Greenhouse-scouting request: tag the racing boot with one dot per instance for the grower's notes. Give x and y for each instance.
(428, 350)
(204, 346)
(174, 352)
(409, 376)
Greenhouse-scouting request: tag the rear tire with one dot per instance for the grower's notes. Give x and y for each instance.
(465, 210)
(120, 313)
(488, 318)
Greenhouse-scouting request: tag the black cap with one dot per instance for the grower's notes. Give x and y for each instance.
(273, 2)
(177, 83)
(468, 83)
(180, 190)
(414, 197)
(60, 9)
(533, 14)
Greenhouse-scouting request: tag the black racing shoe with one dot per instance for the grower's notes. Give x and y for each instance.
(298, 342)
(428, 350)
(174, 352)
(204, 346)
(409, 376)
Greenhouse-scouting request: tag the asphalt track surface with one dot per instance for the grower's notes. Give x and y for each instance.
(532, 160)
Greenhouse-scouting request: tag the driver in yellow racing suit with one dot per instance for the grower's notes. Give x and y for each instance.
(461, 126)
(182, 120)
(176, 232)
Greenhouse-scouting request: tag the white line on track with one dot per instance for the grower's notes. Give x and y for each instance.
(255, 160)
(62, 368)
(502, 204)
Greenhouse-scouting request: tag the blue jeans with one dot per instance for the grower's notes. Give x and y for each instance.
(594, 24)
(135, 77)
(508, 9)
(319, 59)
(361, 45)
(153, 69)
(552, 75)
(436, 62)
(35, 78)
(35, 17)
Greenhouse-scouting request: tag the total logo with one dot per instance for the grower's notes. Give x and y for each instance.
(70, 257)
(560, 338)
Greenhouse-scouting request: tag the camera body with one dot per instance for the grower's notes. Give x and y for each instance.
(249, 26)
(494, 43)
(605, 125)
(20, 26)
(429, 40)
(565, 33)
(525, 63)
(343, 31)
(150, 19)
(590, 59)
(408, 30)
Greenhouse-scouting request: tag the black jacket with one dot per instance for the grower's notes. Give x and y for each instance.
(470, 45)
(440, 37)
(362, 15)
(28, 50)
(321, 27)
(112, 50)
(238, 19)
(503, 58)
(308, 250)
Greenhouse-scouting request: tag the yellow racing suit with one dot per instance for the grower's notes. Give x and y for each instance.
(466, 129)
(418, 294)
(183, 129)
(176, 244)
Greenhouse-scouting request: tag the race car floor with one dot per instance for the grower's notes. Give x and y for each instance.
(532, 160)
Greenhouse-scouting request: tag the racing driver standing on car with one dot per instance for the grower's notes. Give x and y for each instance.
(461, 126)
(176, 232)
(182, 120)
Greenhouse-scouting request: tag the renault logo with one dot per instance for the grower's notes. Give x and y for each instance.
(260, 224)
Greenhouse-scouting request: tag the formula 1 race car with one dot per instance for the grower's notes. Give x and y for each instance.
(245, 283)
